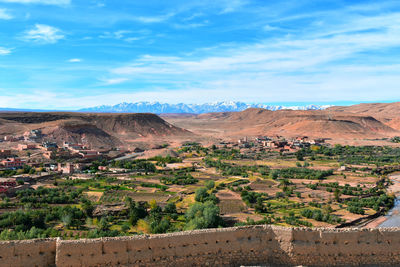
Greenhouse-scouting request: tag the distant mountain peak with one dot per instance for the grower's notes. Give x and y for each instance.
(160, 108)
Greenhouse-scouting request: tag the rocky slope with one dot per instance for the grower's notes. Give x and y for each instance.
(318, 123)
(381, 110)
(97, 130)
(388, 113)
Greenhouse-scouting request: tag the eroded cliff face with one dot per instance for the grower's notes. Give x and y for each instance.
(254, 245)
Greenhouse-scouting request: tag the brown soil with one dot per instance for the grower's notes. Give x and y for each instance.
(96, 130)
(288, 123)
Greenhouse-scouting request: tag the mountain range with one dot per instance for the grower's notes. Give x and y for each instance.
(163, 108)
(375, 122)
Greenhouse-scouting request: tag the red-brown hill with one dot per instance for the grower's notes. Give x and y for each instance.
(255, 121)
(378, 110)
(97, 130)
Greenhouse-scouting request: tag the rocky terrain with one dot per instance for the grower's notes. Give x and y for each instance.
(97, 130)
(289, 123)
(380, 110)
(358, 122)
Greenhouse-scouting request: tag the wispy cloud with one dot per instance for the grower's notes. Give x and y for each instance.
(193, 16)
(114, 81)
(270, 28)
(313, 63)
(74, 60)
(153, 19)
(5, 51)
(252, 51)
(125, 35)
(232, 5)
(44, 34)
(191, 25)
(4, 14)
(43, 2)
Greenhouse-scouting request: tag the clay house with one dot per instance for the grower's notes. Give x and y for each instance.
(6, 184)
(262, 139)
(74, 147)
(243, 141)
(26, 146)
(280, 143)
(103, 168)
(302, 138)
(5, 153)
(318, 141)
(88, 154)
(342, 169)
(49, 146)
(11, 138)
(33, 135)
(69, 168)
(13, 163)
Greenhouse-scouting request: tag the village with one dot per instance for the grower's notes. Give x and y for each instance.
(251, 180)
(46, 157)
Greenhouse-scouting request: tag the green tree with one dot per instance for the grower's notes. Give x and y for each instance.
(103, 224)
(203, 215)
(210, 184)
(337, 194)
(201, 194)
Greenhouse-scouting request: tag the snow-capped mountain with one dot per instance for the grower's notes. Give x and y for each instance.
(160, 108)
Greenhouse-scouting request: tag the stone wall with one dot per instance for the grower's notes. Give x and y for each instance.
(262, 245)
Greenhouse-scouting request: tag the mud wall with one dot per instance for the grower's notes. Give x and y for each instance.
(239, 246)
(262, 245)
(41, 252)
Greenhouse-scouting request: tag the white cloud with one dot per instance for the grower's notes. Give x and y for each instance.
(286, 54)
(5, 51)
(324, 67)
(270, 28)
(125, 35)
(232, 5)
(99, 4)
(45, 34)
(43, 2)
(153, 19)
(193, 16)
(191, 25)
(114, 81)
(75, 60)
(115, 35)
(4, 14)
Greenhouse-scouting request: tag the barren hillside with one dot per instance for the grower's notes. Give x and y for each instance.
(287, 123)
(379, 110)
(97, 130)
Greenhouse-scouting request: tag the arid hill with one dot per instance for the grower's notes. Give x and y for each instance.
(97, 130)
(379, 110)
(388, 113)
(146, 130)
(288, 123)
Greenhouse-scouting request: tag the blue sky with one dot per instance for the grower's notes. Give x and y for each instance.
(70, 54)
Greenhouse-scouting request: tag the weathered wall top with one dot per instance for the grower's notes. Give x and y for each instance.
(250, 245)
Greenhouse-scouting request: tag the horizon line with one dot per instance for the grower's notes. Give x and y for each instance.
(272, 104)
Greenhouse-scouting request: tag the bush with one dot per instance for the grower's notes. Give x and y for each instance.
(210, 184)
(201, 195)
(203, 215)
(182, 179)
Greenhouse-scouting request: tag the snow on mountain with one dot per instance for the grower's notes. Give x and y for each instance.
(160, 108)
